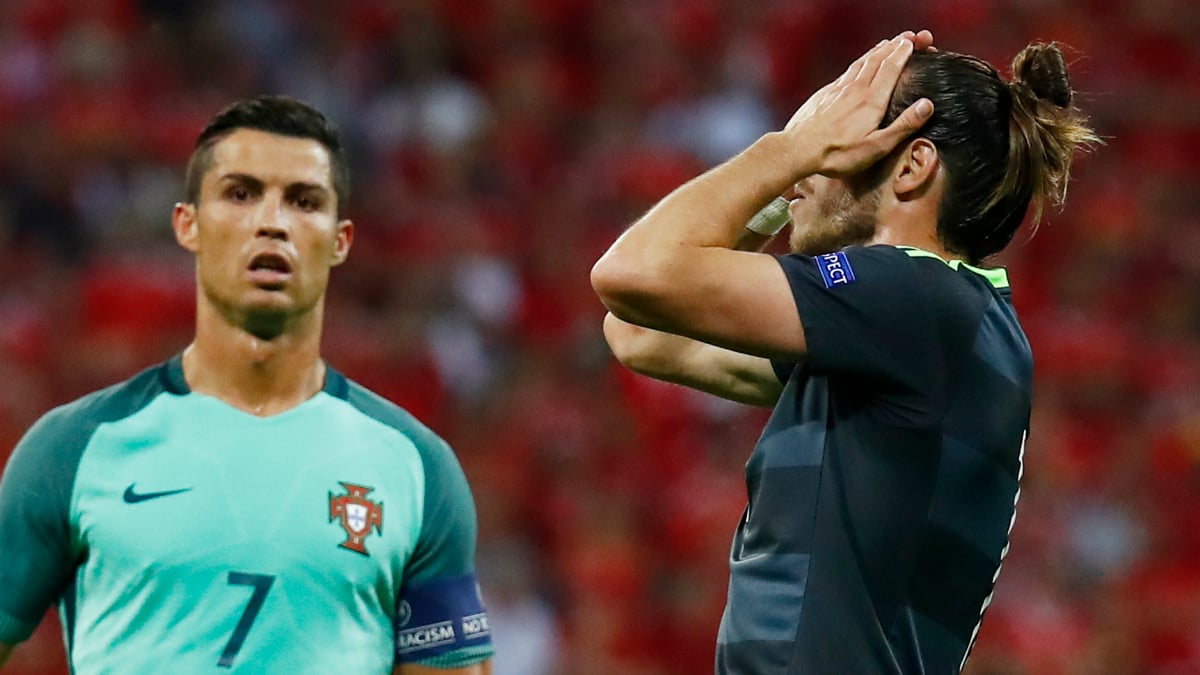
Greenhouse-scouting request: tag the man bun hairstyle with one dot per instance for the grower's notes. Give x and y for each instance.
(1003, 144)
(1045, 129)
(276, 115)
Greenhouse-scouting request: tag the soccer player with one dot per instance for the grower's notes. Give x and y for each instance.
(243, 507)
(883, 488)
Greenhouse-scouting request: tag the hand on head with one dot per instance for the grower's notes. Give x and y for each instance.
(839, 124)
(922, 40)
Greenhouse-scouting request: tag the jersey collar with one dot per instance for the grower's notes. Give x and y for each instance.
(997, 276)
(336, 384)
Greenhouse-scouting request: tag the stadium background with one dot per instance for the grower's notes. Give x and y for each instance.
(498, 146)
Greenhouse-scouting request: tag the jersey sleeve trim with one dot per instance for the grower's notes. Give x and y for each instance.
(39, 547)
(460, 658)
(441, 620)
(446, 544)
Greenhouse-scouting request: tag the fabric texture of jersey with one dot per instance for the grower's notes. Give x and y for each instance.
(883, 488)
(183, 535)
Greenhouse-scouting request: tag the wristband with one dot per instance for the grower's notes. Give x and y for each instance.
(771, 219)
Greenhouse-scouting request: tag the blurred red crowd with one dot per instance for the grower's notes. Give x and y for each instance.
(497, 147)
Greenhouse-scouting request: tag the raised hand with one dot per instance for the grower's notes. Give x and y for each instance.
(922, 40)
(839, 124)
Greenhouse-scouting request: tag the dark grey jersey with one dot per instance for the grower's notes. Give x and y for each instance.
(884, 486)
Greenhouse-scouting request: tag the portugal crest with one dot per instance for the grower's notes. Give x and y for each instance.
(358, 515)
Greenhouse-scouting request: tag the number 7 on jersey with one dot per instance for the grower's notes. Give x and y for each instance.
(262, 585)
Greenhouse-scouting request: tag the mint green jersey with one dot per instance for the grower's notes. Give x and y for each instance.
(183, 535)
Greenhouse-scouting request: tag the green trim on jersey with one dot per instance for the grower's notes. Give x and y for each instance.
(460, 658)
(183, 534)
(997, 277)
(453, 515)
(38, 544)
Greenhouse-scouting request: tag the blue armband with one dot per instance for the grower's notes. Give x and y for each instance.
(439, 617)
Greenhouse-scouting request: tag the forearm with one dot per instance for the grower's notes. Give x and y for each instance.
(693, 229)
(646, 351)
(691, 363)
(712, 209)
(658, 354)
(749, 240)
(674, 270)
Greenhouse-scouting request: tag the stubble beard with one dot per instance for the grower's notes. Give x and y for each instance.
(842, 219)
(264, 320)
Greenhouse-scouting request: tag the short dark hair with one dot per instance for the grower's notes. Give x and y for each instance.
(273, 114)
(1003, 144)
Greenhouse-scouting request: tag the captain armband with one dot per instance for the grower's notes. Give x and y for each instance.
(439, 617)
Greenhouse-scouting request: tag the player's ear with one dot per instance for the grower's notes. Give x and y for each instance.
(917, 169)
(343, 241)
(183, 221)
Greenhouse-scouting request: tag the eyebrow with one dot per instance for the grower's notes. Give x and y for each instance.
(290, 188)
(299, 187)
(241, 178)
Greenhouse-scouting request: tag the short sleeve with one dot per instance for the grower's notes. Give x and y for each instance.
(442, 620)
(36, 558)
(39, 549)
(867, 318)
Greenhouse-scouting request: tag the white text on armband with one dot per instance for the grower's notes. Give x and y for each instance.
(835, 269)
(473, 627)
(425, 637)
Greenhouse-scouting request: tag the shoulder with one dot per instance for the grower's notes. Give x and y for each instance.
(878, 282)
(45, 461)
(954, 273)
(906, 263)
(860, 267)
(949, 284)
(389, 414)
(447, 493)
(69, 427)
(441, 465)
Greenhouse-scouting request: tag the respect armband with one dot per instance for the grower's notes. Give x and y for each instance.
(771, 219)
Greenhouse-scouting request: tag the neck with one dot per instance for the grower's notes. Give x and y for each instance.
(908, 215)
(260, 376)
(928, 242)
(911, 223)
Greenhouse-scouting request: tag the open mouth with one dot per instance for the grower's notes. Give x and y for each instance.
(269, 270)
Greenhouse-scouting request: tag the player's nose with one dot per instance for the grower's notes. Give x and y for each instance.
(271, 220)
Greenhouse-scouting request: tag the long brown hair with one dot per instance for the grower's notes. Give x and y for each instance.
(1004, 144)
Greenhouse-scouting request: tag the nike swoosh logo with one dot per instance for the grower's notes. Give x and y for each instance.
(132, 497)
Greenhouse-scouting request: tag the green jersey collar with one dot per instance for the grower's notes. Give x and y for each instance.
(997, 277)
